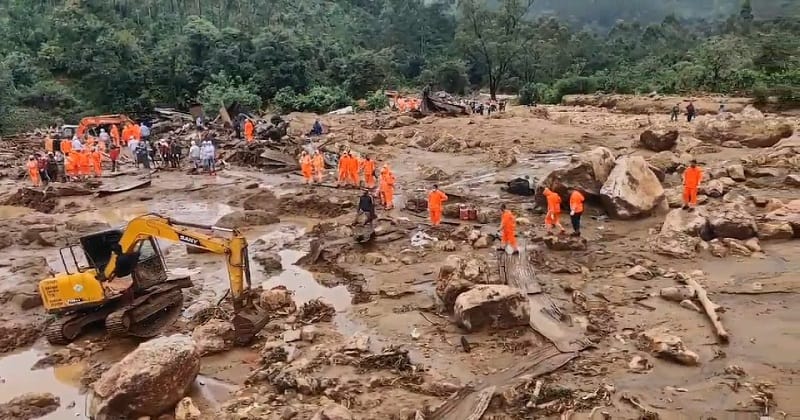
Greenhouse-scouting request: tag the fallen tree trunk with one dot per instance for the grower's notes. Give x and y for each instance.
(710, 309)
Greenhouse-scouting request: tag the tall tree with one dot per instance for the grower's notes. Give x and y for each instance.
(494, 37)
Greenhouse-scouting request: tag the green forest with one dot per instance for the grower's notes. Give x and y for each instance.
(61, 59)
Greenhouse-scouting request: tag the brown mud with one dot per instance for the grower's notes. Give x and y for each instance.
(415, 357)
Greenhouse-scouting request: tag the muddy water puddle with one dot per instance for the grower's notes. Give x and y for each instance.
(17, 378)
(303, 284)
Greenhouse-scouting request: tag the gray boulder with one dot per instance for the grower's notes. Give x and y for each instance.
(632, 190)
(658, 141)
(246, 218)
(732, 221)
(148, 381)
(493, 306)
(587, 173)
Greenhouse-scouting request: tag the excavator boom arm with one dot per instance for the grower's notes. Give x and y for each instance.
(156, 226)
(89, 122)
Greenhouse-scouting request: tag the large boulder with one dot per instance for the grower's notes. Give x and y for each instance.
(750, 133)
(774, 230)
(667, 162)
(493, 306)
(459, 274)
(333, 411)
(658, 141)
(694, 223)
(565, 243)
(736, 172)
(632, 190)
(789, 213)
(29, 406)
(214, 336)
(246, 218)
(587, 172)
(732, 220)
(148, 381)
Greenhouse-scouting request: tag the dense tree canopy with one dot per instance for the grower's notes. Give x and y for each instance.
(60, 59)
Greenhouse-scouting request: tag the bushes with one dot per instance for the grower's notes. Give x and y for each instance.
(533, 93)
(319, 99)
(377, 101)
(225, 91)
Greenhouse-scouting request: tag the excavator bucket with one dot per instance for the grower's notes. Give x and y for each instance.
(246, 326)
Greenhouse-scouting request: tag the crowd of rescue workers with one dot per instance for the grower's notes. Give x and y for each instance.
(80, 158)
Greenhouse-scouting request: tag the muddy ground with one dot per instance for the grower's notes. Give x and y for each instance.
(385, 290)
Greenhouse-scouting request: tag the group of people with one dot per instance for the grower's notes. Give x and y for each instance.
(71, 160)
(204, 156)
(487, 108)
(350, 170)
(691, 112)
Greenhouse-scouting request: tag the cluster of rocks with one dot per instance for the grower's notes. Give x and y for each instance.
(729, 228)
(627, 186)
(471, 291)
(748, 129)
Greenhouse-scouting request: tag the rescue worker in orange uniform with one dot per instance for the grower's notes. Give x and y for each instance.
(318, 162)
(691, 181)
(387, 187)
(84, 163)
(136, 130)
(508, 230)
(249, 131)
(368, 166)
(66, 146)
(33, 170)
(342, 169)
(115, 135)
(69, 166)
(553, 217)
(306, 168)
(126, 134)
(352, 173)
(576, 200)
(435, 206)
(97, 163)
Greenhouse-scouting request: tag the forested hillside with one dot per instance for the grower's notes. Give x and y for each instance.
(65, 58)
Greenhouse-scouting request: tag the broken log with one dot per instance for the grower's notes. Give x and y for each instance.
(710, 309)
(124, 188)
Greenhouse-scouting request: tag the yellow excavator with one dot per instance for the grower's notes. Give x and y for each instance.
(123, 281)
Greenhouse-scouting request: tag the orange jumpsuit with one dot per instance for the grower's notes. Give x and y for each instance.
(115, 135)
(33, 171)
(71, 164)
(368, 166)
(126, 133)
(387, 187)
(318, 162)
(96, 159)
(508, 227)
(307, 169)
(553, 217)
(66, 146)
(249, 130)
(84, 163)
(352, 174)
(343, 163)
(691, 180)
(435, 200)
(136, 131)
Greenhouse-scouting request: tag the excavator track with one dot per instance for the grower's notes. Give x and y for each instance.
(148, 314)
(65, 329)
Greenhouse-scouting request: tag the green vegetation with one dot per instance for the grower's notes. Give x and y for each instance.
(60, 59)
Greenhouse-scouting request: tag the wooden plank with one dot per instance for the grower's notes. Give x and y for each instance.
(545, 316)
(466, 402)
(124, 188)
